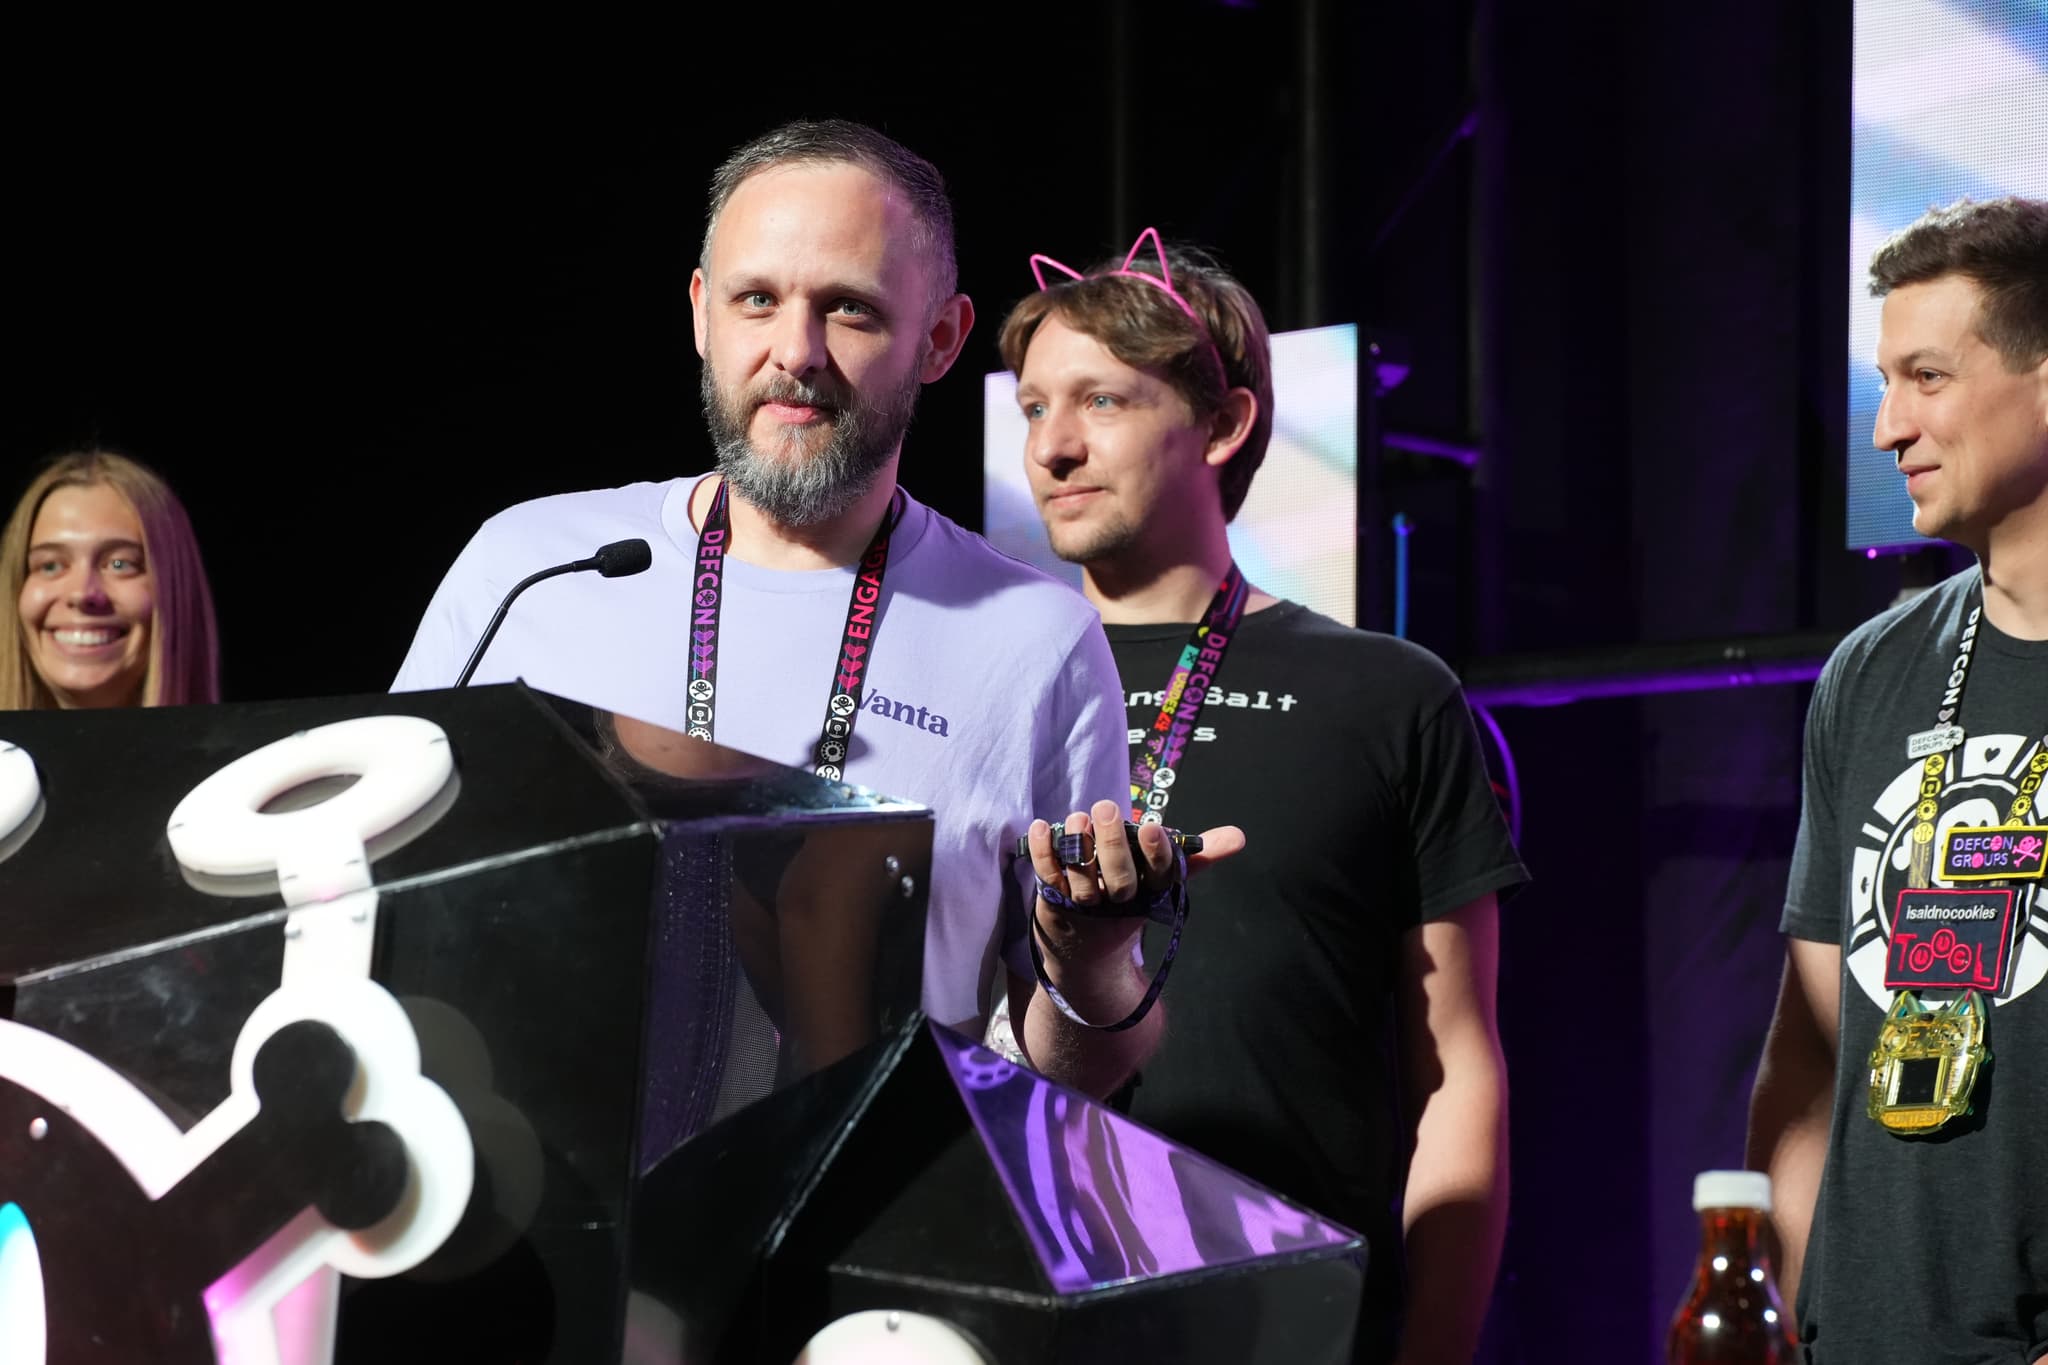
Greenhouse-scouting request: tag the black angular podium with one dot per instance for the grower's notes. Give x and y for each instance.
(584, 928)
(592, 1043)
(927, 1175)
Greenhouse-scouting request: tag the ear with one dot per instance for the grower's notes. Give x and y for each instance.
(1231, 427)
(698, 320)
(946, 337)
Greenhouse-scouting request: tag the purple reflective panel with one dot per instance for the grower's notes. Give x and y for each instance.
(1104, 1199)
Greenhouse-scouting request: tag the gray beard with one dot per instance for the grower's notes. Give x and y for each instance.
(828, 472)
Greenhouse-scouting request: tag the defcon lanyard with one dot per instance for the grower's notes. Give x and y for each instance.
(1934, 747)
(856, 640)
(1925, 1064)
(1160, 762)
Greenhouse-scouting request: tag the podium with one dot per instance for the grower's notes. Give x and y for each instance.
(583, 927)
(583, 1042)
(927, 1175)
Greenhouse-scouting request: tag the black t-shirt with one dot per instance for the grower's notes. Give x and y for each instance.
(1351, 763)
(1932, 1248)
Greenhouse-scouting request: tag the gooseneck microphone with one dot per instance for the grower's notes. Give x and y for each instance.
(616, 560)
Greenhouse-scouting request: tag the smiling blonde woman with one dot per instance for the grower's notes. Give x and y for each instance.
(101, 563)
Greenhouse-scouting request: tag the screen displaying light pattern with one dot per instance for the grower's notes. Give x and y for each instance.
(22, 1340)
(1296, 535)
(1951, 99)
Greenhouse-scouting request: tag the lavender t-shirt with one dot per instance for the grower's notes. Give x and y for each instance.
(991, 697)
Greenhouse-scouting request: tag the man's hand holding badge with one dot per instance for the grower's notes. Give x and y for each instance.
(1094, 896)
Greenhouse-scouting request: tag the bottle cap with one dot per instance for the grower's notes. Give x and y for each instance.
(1731, 1190)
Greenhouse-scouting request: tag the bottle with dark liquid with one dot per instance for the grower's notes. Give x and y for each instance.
(1732, 1315)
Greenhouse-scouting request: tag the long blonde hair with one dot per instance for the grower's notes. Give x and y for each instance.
(184, 648)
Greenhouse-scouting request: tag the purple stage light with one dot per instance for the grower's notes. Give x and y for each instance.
(1457, 452)
(1649, 670)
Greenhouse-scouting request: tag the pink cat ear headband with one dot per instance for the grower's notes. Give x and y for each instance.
(1162, 281)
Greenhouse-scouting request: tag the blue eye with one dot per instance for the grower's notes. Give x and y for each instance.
(1033, 411)
(854, 308)
(757, 299)
(1102, 402)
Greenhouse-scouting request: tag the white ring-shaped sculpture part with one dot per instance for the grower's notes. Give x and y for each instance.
(895, 1336)
(19, 788)
(399, 762)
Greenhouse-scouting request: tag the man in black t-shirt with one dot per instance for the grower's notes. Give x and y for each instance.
(1901, 1106)
(1336, 1004)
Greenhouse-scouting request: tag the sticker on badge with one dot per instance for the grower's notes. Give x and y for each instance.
(1939, 740)
(1951, 939)
(1993, 854)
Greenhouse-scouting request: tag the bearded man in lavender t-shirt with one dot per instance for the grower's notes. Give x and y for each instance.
(823, 300)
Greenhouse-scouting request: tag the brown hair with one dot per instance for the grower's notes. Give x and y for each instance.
(1143, 327)
(184, 651)
(2001, 246)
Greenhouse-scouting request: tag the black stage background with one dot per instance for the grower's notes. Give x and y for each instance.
(356, 285)
(352, 297)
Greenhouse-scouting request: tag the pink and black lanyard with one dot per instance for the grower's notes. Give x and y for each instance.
(1164, 755)
(856, 641)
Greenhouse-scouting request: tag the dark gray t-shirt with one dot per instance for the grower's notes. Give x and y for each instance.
(1931, 1249)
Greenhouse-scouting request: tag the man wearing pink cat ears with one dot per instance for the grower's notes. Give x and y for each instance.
(802, 607)
(1366, 893)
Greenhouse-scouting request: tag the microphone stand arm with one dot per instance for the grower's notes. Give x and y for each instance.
(477, 655)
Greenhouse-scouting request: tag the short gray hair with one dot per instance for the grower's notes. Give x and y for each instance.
(841, 141)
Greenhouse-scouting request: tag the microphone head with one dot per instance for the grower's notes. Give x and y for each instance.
(623, 557)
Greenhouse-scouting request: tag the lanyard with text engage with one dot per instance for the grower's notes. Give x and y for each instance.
(856, 640)
(1164, 754)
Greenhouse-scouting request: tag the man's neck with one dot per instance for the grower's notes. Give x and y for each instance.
(2015, 560)
(1136, 588)
(831, 544)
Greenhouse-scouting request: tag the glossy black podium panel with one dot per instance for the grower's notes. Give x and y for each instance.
(605, 936)
(927, 1175)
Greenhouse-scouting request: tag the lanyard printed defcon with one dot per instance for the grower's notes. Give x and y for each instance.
(856, 641)
(1934, 748)
(1159, 763)
(1925, 1064)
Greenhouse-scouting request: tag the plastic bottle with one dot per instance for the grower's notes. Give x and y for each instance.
(1732, 1315)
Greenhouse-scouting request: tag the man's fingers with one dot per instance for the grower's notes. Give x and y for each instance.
(1217, 844)
(1113, 861)
(1114, 874)
(1042, 860)
(1159, 856)
(1081, 887)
